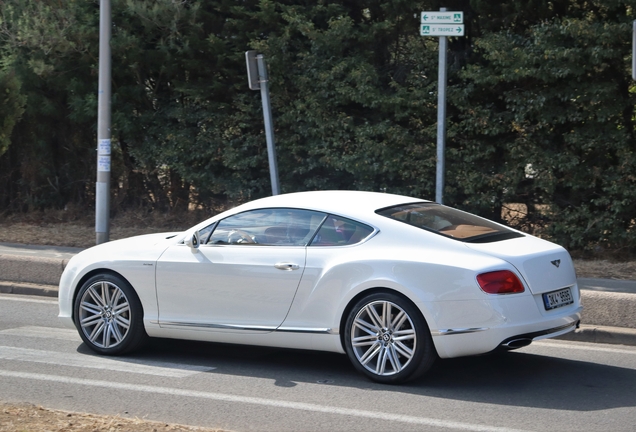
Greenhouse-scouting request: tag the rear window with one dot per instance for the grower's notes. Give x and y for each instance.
(449, 222)
(338, 231)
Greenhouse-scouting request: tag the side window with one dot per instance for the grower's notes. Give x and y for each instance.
(337, 231)
(271, 227)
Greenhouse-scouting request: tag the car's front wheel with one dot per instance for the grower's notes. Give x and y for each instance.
(109, 316)
(387, 339)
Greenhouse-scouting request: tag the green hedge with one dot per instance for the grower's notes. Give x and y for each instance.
(540, 107)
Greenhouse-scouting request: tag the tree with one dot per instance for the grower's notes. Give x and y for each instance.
(559, 133)
(540, 109)
(47, 49)
(353, 88)
(11, 108)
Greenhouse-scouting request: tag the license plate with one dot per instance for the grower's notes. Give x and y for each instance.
(556, 299)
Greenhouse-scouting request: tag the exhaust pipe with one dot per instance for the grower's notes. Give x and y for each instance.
(517, 343)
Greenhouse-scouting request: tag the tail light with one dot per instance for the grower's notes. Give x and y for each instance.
(500, 282)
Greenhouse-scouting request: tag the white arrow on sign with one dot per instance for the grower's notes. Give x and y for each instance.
(442, 17)
(442, 30)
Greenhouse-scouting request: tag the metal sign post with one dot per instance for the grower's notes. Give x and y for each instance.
(441, 121)
(102, 187)
(258, 80)
(441, 24)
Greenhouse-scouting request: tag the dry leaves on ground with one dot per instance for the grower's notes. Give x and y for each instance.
(603, 269)
(58, 229)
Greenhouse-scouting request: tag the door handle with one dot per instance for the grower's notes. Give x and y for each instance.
(286, 266)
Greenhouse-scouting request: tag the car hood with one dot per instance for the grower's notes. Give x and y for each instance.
(545, 266)
(143, 247)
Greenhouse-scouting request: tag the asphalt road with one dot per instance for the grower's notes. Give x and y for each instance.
(550, 385)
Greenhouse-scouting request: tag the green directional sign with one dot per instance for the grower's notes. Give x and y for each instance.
(442, 17)
(442, 30)
(443, 24)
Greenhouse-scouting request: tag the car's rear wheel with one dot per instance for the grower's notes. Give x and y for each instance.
(387, 339)
(109, 316)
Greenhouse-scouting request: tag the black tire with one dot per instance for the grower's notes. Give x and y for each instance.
(388, 340)
(109, 316)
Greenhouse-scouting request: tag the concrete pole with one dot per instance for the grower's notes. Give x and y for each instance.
(102, 189)
(441, 119)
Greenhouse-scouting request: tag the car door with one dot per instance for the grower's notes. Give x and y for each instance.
(244, 275)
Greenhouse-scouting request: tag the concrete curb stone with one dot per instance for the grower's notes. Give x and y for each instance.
(609, 309)
(602, 334)
(32, 269)
(24, 288)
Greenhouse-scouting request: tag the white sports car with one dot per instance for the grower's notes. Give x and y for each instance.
(394, 282)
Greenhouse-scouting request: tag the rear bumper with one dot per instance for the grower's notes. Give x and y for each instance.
(519, 341)
(481, 340)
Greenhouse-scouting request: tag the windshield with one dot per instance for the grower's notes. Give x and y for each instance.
(449, 222)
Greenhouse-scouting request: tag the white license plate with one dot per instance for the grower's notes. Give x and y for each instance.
(556, 299)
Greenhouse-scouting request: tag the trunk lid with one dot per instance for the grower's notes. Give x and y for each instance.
(545, 266)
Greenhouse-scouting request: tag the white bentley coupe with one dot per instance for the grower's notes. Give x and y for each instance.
(392, 281)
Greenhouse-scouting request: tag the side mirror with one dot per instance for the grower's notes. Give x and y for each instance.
(192, 240)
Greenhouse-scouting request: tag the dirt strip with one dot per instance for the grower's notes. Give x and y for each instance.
(27, 417)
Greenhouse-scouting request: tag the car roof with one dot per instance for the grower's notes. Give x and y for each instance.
(345, 203)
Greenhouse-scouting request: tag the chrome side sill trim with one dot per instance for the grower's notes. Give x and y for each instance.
(216, 326)
(306, 330)
(446, 332)
(250, 328)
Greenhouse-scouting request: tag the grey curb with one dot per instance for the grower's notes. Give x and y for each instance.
(24, 288)
(609, 309)
(32, 269)
(602, 334)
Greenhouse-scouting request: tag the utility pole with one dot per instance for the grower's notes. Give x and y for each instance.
(102, 187)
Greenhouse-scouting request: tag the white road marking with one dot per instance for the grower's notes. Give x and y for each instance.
(586, 347)
(148, 367)
(44, 332)
(376, 415)
(17, 297)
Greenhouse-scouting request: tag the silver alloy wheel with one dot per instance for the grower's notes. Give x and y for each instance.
(383, 338)
(104, 314)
